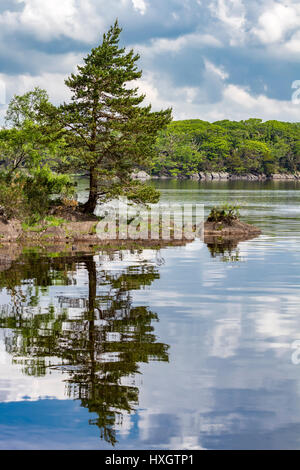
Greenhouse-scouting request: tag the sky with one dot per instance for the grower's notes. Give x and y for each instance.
(207, 59)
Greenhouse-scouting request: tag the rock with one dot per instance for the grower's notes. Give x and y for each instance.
(236, 229)
(276, 176)
(140, 175)
(3, 214)
(236, 177)
(213, 176)
(54, 233)
(10, 230)
(194, 177)
(248, 177)
(223, 176)
(284, 176)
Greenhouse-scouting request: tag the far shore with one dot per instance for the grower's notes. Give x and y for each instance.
(218, 176)
(228, 177)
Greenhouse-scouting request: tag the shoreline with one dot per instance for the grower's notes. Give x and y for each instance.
(218, 238)
(85, 232)
(203, 177)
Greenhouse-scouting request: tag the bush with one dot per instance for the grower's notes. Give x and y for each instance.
(40, 187)
(226, 213)
(28, 197)
(12, 198)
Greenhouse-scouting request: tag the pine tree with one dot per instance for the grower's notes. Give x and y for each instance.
(109, 132)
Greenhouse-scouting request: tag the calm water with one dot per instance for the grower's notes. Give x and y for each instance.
(182, 348)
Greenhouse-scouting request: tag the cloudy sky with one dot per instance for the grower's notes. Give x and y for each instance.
(208, 59)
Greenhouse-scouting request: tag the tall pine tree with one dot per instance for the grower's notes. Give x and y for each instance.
(108, 131)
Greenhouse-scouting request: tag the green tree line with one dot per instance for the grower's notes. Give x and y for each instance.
(251, 146)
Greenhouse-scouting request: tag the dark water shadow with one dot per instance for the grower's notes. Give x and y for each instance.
(226, 249)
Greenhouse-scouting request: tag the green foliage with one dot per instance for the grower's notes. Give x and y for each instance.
(142, 193)
(30, 150)
(177, 153)
(48, 221)
(39, 188)
(12, 199)
(29, 140)
(226, 213)
(26, 108)
(29, 196)
(250, 146)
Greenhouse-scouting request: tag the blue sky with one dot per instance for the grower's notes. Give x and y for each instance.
(207, 59)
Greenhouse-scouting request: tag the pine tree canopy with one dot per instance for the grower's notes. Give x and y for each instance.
(108, 131)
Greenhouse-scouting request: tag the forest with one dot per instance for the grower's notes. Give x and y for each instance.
(252, 146)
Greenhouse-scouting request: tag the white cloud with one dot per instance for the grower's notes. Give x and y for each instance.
(76, 19)
(293, 45)
(218, 71)
(232, 14)
(163, 45)
(276, 21)
(188, 102)
(52, 82)
(236, 102)
(204, 91)
(140, 6)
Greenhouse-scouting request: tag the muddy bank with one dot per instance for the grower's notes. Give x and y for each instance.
(85, 231)
(235, 230)
(79, 232)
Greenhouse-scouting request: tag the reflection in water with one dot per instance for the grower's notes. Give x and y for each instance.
(226, 250)
(96, 341)
(229, 383)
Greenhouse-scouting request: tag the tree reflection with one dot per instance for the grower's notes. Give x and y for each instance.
(225, 250)
(100, 348)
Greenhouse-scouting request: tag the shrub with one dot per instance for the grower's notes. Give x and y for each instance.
(226, 213)
(12, 198)
(39, 189)
(28, 197)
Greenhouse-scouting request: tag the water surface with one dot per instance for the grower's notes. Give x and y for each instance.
(179, 348)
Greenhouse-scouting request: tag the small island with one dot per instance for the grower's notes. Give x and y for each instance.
(70, 225)
(223, 223)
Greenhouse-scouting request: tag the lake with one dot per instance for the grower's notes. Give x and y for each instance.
(187, 347)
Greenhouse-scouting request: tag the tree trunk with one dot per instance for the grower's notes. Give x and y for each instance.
(90, 206)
